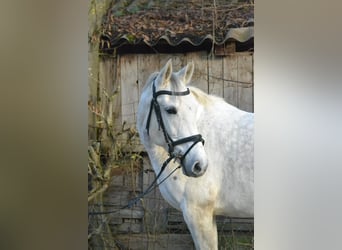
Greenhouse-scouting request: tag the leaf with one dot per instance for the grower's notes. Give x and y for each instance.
(130, 38)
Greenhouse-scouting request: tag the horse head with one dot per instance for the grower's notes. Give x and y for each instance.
(167, 117)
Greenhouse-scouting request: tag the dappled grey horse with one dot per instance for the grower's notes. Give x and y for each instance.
(210, 139)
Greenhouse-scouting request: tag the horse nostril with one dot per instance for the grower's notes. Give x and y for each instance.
(197, 168)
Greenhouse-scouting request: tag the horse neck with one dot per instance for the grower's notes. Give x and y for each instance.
(218, 114)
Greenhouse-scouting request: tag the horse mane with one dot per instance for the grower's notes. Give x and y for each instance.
(202, 97)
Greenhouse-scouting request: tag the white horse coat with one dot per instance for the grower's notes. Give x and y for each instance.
(217, 177)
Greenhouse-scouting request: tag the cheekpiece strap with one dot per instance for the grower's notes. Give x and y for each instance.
(155, 104)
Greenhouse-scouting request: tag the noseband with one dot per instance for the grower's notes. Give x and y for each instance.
(171, 143)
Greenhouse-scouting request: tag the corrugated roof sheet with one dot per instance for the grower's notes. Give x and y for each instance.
(175, 22)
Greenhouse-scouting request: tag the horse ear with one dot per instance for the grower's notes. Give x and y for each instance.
(185, 74)
(165, 73)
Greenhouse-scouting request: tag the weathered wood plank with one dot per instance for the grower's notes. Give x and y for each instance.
(117, 197)
(200, 76)
(129, 88)
(93, 80)
(156, 242)
(175, 217)
(128, 226)
(154, 204)
(106, 74)
(245, 76)
(117, 103)
(131, 213)
(230, 68)
(224, 226)
(114, 221)
(176, 241)
(147, 64)
(108, 99)
(114, 90)
(215, 79)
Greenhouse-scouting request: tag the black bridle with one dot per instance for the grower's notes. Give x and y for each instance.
(170, 143)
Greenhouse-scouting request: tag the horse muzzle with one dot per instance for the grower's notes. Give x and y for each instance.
(194, 168)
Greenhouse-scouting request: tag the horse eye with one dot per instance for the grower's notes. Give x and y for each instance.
(171, 110)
